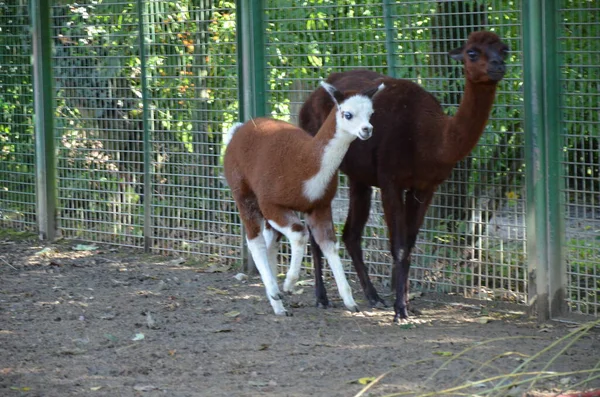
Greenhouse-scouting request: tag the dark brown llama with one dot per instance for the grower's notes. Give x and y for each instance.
(274, 169)
(413, 150)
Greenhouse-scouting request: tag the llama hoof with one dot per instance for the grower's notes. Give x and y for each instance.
(288, 287)
(353, 307)
(401, 314)
(322, 303)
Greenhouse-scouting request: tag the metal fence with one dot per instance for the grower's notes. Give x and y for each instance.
(143, 91)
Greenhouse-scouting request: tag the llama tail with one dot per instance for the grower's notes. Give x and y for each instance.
(230, 132)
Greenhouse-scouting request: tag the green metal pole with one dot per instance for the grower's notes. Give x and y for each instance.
(251, 68)
(389, 37)
(544, 220)
(44, 120)
(251, 56)
(557, 269)
(146, 138)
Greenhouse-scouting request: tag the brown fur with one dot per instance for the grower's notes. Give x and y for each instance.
(266, 164)
(413, 149)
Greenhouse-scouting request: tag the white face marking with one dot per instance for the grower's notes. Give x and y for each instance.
(360, 108)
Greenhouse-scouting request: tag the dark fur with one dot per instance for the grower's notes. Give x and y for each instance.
(413, 149)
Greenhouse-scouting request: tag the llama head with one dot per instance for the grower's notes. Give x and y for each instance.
(483, 56)
(353, 110)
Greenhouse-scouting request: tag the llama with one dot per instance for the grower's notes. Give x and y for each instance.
(414, 150)
(274, 169)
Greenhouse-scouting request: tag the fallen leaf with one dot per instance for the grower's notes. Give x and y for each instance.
(111, 337)
(363, 381)
(305, 282)
(218, 291)
(216, 269)
(565, 381)
(24, 388)
(484, 320)
(263, 346)
(144, 387)
(407, 326)
(85, 247)
(258, 383)
(95, 388)
(139, 336)
(240, 277)
(150, 321)
(443, 354)
(223, 330)
(175, 262)
(45, 251)
(233, 313)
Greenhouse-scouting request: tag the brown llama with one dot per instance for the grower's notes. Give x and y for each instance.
(414, 149)
(274, 169)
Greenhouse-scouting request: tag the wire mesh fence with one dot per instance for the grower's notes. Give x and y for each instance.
(17, 155)
(473, 241)
(144, 94)
(580, 116)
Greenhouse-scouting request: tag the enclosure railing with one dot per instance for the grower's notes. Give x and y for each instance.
(114, 133)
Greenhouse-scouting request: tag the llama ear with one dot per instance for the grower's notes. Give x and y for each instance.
(457, 54)
(333, 93)
(371, 92)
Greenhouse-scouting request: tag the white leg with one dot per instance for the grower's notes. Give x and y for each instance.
(258, 249)
(298, 240)
(330, 251)
(272, 249)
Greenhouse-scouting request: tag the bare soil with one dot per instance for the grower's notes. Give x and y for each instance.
(117, 322)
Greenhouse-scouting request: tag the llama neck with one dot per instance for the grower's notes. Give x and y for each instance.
(463, 131)
(330, 147)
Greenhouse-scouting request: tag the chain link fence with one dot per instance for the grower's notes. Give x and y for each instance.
(144, 90)
(580, 116)
(17, 154)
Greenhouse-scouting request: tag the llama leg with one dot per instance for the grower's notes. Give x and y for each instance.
(358, 214)
(253, 222)
(395, 218)
(321, 224)
(417, 203)
(272, 240)
(317, 255)
(288, 224)
(258, 249)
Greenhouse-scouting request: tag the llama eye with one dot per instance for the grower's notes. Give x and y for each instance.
(347, 115)
(472, 55)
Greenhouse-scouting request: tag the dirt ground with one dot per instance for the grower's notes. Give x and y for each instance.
(117, 322)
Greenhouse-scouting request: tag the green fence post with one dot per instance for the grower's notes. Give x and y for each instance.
(45, 166)
(251, 69)
(547, 274)
(146, 132)
(389, 37)
(251, 59)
